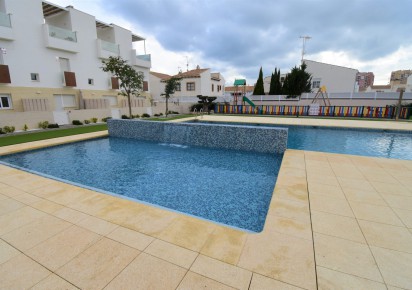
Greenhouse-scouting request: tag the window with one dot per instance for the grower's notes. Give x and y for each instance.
(5, 102)
(90, 81)
(213, 87)
(190, 86)
(316, 83)
(34, 77)
(178, 87)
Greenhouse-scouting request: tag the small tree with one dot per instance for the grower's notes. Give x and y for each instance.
(259, 89)
(272, 83)
(131, 81)
(298, 81)
(170, 88)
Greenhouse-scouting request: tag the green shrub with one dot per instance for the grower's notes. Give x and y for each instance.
(161, 114)
(174, 112)
(94, 120)
(77, 122)
(1, 131)
(136, 116)
(43, 125)
(25, 127)
(156, 115)
(145, 115)
(125, 117)
(87, 121)
(9, 129)
(105, 119)
(53, 126)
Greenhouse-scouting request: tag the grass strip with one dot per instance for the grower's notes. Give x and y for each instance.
(36, 136)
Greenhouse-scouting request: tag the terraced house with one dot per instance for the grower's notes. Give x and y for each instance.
(50, 64)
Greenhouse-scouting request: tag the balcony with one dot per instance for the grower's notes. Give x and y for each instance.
(60, 38)
(143, 60)
(6, 31)
(106, 49)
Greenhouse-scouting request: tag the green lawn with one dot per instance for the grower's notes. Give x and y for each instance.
(36, 136)
(42, 135)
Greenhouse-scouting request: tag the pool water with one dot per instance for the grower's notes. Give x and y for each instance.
(375, 143)
(225, 186)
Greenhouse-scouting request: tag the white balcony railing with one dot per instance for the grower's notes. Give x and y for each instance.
(145, 57)
(5, 19)
(60, 39)
(62, 33)
(109, 46)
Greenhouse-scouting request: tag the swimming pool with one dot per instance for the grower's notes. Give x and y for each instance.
(364, 142)
(225, 186)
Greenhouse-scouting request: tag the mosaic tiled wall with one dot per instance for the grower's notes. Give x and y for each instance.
(237, 137)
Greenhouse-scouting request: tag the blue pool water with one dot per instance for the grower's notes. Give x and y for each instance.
(230, 187)
(346, 141)
(364, 142)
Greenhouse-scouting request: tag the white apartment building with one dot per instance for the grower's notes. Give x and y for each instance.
(194, 82)
(337, 79)
(50, 64)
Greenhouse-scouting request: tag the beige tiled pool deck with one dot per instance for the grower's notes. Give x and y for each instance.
(335, 222)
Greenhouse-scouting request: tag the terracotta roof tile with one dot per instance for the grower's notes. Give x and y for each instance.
(160, 75)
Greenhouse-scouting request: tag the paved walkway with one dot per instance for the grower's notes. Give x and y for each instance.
(335, 222)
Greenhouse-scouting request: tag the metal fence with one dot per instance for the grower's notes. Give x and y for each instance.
(329, 111)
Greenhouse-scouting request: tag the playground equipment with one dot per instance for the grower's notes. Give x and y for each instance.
(238, 93)
(322, 92)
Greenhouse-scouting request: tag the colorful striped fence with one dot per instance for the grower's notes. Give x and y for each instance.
(328, 111)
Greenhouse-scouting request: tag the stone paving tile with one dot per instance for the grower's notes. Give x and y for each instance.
(329, 279)
(330, 205)
(398, 201)
(396, 189)
(225, 244)
(9, 204)
(195, 281)
(7, 252)
(375, 213)
(148, 272)
(260, 282)
(98, 265)
(337, 226)
(222, 272)
(291, 227)
(27, 198)
(18, 218)
(297, 193)
(61, 248)
(28, 236)
(355, 184)
(130, 238)
(171, 253)
(54, 282)
(188, 232)
(47, 206)
(10, 191)
(97, 225)
(289, 209)
(364, 196)
(396, 267)
(405, 216)
(21, 272)
(281, 257)
(70, 215)
(346, 256)
(325, 190)
(387, 236)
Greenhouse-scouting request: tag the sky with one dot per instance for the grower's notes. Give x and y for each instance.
(236, 38)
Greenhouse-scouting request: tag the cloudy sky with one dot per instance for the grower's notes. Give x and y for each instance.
(237, 37)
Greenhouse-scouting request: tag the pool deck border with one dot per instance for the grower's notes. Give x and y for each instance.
(335, 221)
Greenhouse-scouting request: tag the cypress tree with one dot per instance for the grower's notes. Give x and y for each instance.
(272, 90)
(259, 89)
(278, 84)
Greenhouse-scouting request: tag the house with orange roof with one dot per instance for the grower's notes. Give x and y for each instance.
(199, 81)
